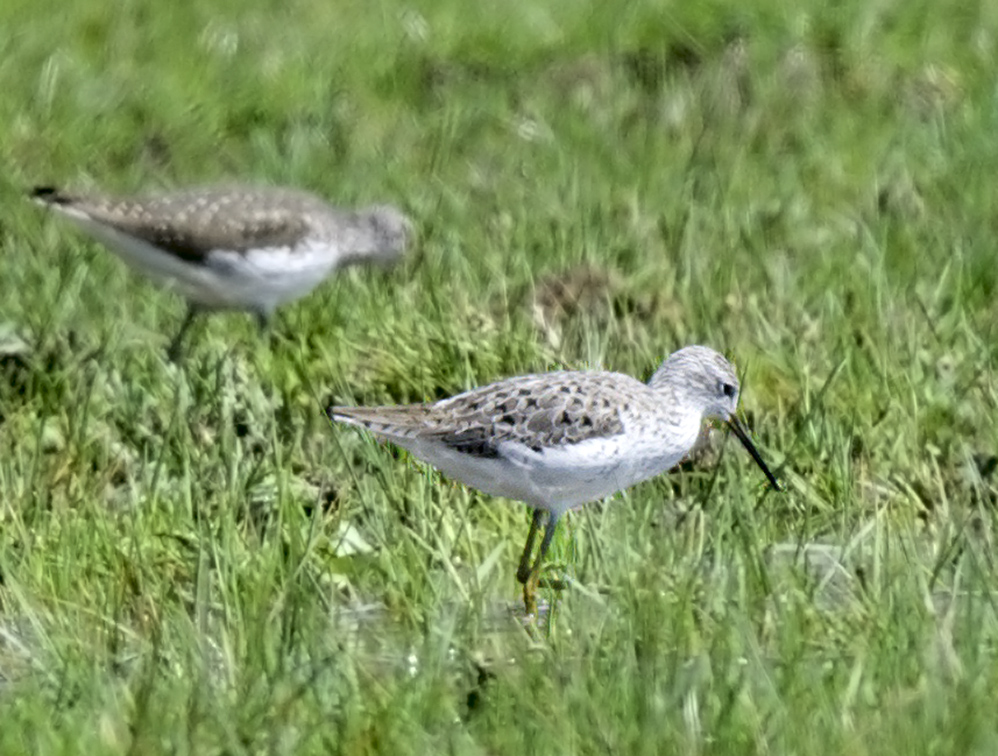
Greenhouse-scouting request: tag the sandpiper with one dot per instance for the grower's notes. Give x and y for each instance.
(559, 440)
(235, 247)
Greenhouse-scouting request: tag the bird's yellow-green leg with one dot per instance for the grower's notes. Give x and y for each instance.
(526, 574)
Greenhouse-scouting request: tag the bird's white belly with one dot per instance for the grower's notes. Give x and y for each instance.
(256, 280)
(556, 479)
(271, 277)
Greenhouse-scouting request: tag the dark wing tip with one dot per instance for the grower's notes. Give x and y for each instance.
(49, 194)
(474, 442)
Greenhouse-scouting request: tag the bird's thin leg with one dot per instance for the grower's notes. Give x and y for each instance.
(530, 586)
(262, 322)
(523, 571)
(265, 324)
(173, 351)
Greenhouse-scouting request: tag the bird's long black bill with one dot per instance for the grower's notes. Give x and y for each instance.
(739, 430)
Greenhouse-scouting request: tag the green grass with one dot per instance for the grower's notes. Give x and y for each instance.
(194, 561)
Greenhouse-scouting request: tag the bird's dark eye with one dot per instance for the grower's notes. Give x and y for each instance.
(729, 390)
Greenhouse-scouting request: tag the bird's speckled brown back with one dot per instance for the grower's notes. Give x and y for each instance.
(539, 411)
(193, 222)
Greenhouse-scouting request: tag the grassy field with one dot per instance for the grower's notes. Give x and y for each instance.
(192, 560)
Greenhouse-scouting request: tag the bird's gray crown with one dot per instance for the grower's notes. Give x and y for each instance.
(703, 377)
(388, 229)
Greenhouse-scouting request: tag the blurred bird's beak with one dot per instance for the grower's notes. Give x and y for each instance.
(739, 430)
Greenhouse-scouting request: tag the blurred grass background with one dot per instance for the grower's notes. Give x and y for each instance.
(193, 561)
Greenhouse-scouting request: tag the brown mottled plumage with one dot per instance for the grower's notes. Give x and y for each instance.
(194, 222)
(538, 411)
